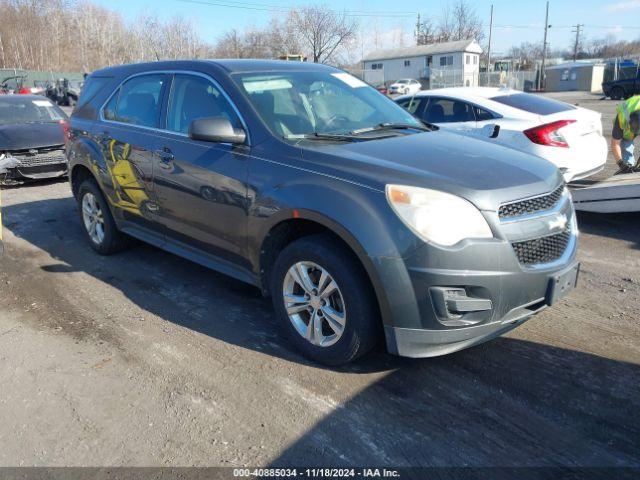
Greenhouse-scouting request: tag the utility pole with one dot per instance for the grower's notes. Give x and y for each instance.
(577, 44)
(542, 76)
(489, 47)
(418, 30)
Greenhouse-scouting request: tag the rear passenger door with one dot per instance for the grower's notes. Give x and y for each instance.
(128, 136)
(201, 186)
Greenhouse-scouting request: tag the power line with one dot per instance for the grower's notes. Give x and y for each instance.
(280, 9)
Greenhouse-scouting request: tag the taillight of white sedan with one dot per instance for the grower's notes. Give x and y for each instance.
(566, 135)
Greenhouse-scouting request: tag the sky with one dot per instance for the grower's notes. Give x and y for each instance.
(514, 21)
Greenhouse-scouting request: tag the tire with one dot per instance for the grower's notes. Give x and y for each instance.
(352, 300)
(111, 240)
(617, 93)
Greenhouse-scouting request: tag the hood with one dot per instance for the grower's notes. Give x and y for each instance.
(30, 135)
(484, 173)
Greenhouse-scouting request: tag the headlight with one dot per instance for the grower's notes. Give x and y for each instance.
(437, 217)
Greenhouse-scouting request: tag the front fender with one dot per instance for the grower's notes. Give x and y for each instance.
(360, 216)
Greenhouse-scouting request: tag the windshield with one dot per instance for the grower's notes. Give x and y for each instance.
(17, 110)
(402, 81)
(295, 104)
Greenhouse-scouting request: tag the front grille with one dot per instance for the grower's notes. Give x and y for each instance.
(531, 205)
(542, 250)
(39, 159)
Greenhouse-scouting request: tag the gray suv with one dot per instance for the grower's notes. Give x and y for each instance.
(356, 218)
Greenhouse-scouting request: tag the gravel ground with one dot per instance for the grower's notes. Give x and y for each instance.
(145, 359)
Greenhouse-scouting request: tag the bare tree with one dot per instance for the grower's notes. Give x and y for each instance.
(456, 22)
(322, 31)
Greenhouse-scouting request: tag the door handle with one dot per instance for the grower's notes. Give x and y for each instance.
(166, 156)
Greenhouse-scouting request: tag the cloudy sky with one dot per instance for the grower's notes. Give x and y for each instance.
(514, 21)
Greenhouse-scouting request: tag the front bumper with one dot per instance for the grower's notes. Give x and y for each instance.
(488, 276)
(430, 342)
(15, 169)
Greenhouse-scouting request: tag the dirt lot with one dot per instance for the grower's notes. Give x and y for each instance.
(146, 359)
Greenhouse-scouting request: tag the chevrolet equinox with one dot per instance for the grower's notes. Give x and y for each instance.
(356, 218)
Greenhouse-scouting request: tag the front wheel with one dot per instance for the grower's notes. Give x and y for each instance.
(323, 300)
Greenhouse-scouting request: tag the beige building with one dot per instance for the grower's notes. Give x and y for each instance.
(576, 76)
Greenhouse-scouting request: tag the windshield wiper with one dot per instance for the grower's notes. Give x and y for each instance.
(393, 126)
(322, 136)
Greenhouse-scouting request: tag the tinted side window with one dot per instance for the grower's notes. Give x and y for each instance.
(109, 111)
(533, 103)
(482, 114)
(139, 100)
(411, 105)
(194, 97)
(444, 110)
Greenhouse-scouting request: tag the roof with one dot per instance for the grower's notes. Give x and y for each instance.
(230, 66)
(573, 65)
(467, 93)
(421, 50)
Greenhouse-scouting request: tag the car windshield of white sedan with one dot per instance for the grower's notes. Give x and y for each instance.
(18, 110)
(317, 104)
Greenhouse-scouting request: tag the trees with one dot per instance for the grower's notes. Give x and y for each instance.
(77, 35)
(456, 22)
(322, 31)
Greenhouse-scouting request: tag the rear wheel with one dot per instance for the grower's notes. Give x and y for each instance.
(99, 227)
(323, 300)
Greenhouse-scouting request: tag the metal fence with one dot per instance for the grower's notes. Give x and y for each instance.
(443, 78)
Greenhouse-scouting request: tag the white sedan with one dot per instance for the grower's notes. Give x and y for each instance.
(566, 135)
(404, 86)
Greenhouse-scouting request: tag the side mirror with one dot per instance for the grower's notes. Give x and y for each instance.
(491, 130)
(216, 129)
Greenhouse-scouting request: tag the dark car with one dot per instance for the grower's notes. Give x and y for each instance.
(32, 135)
(302, 180)
(623, 87)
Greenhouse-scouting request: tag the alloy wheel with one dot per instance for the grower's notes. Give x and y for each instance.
(314, 303)
(93, 218)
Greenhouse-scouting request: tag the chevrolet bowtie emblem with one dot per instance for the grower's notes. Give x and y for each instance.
(558, 223)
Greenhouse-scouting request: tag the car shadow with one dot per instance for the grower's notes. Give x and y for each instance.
(164, 284)
(622, 226)
(508, 403)
(505, 403)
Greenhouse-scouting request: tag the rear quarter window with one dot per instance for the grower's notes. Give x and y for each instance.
(91, 87)
(533, 103)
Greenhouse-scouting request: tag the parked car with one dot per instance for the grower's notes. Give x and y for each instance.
(404, 86)
(32, 135)
(568, 136)
(357, 219)
(381, 87)
(622, 88)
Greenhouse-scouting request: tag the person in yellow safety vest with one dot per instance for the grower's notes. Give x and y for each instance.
(626, 127)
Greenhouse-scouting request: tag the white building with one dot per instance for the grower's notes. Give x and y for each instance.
(453, 63)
